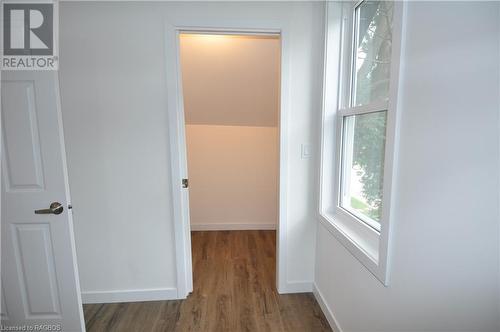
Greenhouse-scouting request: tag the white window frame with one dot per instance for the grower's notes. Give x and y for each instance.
(369, 244)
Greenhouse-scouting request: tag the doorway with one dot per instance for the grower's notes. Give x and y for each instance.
(231, 138)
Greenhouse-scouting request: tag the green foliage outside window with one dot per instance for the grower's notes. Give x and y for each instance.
(373, 57)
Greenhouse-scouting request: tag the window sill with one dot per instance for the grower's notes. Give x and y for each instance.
(359, 239)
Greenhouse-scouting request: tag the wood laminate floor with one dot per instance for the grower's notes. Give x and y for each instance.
(234, 290)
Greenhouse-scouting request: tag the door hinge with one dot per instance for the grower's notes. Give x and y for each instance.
(185, 183)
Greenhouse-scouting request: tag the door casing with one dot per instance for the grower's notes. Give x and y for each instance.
(178, 155)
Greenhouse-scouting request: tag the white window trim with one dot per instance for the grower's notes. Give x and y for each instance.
(369, 246)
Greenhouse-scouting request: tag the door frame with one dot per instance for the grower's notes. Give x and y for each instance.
(178, 154)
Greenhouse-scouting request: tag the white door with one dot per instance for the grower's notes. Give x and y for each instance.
(39, 274)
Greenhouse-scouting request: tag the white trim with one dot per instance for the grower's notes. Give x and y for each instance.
(180, 196)
(498, 311)
(364, 236)
(68, 195)
(232, 226)
(332, 65)
(129, 295)
(330, 317)
(297, 287)
(225, 32)
(373, 107)
(176, 125)
(392, 140)
(285, 95)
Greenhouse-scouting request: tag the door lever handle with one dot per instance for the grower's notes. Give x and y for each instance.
(54, 208)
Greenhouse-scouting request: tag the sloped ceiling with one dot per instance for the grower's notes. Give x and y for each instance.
(230, 80)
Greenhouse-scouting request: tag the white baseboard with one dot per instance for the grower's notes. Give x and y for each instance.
(297, 287)
(334, 323)
(232, 227)
(130, 295)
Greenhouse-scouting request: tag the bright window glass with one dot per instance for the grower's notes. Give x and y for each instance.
(363, 166)
(372, 53)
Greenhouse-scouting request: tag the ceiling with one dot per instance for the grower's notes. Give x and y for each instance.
(230, 79)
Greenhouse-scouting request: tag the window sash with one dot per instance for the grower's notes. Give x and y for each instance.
(349, 83)
(351, 80)
(343, 171)
(376, 106)
(347, 104)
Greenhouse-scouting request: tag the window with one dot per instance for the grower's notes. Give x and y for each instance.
(372, 52)
(363, 165)
(364, 115)
(359, 124)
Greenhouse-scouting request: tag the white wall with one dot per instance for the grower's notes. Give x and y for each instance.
(445, 254)
(233, 175)
(113, 87)
(115, 119)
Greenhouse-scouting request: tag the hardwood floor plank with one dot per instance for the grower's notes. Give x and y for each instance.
(168, 316)
(234, 275)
